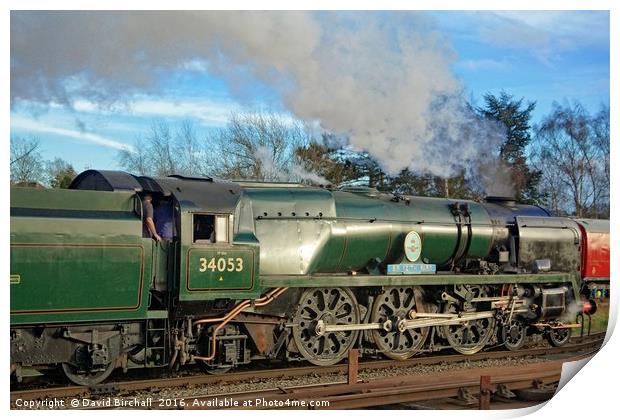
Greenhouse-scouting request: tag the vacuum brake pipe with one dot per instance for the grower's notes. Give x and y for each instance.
(267, 299)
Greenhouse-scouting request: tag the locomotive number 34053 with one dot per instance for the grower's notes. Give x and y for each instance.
(221, 264)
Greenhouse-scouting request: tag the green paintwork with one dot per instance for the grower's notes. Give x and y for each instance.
(34, 198)
(79, 256)
(163, 265)
(48, 271)
(306, 231)
(196, 285)
(220, 269)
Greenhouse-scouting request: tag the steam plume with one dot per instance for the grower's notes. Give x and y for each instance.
(293, 171)
(381, 80)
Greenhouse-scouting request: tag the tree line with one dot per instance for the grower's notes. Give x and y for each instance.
(561, 163)
(28, 168)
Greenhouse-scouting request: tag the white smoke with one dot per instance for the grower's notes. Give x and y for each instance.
(383, 81)
(293, 171)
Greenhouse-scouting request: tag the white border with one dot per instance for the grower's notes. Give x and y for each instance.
(592, 393)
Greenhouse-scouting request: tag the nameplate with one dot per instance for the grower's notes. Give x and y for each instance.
(411, 269)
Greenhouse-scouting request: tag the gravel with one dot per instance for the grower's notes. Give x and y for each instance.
(172, 396)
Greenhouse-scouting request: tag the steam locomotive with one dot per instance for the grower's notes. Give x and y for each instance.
(282, 271)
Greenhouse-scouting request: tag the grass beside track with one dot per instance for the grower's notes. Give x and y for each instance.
(599, 319)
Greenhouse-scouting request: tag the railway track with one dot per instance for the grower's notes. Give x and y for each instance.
(585, 345)
(461, 386)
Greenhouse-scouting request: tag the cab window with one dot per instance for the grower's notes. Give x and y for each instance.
(210, 228)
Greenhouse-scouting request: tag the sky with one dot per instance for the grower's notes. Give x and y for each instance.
(86, 94)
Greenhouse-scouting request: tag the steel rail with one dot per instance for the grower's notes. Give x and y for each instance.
(392, 390)
(593, 341)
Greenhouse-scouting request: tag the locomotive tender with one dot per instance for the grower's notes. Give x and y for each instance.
(282, 271)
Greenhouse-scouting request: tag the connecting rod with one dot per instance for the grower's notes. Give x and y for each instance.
(420, 320)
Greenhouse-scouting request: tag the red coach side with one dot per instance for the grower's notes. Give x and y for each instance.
(594, 249)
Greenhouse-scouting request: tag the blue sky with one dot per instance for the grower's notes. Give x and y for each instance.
(541, 56)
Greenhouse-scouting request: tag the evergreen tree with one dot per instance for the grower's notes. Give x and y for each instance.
(515, 116)
(59, 173)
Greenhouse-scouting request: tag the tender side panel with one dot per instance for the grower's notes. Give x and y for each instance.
(81, 261)
(63, 278)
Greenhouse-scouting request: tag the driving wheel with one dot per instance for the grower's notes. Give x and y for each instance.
(395, 304)
(332, 306)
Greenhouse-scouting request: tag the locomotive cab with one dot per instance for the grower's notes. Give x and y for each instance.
(204, 256)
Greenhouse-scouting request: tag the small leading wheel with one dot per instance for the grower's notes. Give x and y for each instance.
(558, 336)
(87, 377)
(333, 306)
(394, 304)
(513, 334)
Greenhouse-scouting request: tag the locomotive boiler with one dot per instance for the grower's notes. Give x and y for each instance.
(280, 271)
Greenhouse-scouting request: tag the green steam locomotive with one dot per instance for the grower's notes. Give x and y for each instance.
(249, 271)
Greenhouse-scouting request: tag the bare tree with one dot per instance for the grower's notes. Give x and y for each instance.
(258, 145)
(571, 156)
(26, 161)
(164, 151)
(334, 164)
(261, 146)
(600, 128)
(160, 139)
(136, 161)
(189, 151)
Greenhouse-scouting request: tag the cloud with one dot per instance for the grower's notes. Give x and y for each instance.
(33, 125)
(484, 64)
(208, 112)
(546, 34)
(580, 27)
(506, 32)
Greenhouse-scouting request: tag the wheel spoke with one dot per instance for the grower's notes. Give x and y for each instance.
(409, 298)
(396, 303)
(333, 299)
(344, 313)
(559, 337)
(335, 306)
(320, 300)
(471, 336)
(513, 334)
